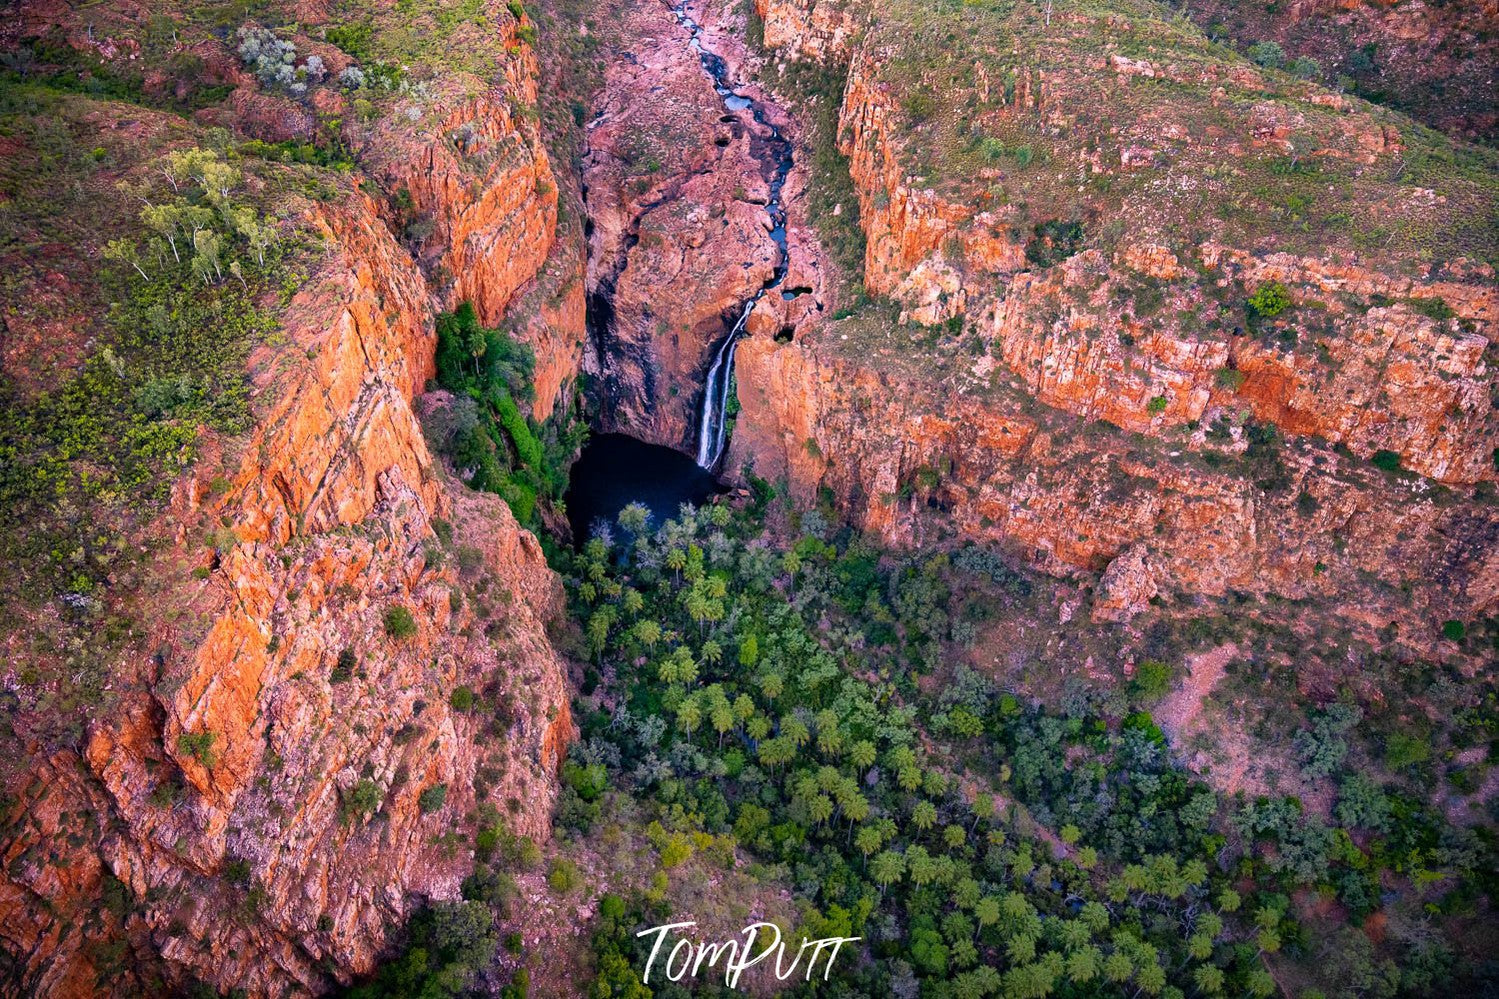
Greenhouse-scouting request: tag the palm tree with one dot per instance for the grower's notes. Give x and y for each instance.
(887, 868)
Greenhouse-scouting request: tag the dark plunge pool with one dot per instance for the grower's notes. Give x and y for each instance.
(615, 471)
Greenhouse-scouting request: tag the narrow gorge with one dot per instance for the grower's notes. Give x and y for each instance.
(1011, 482)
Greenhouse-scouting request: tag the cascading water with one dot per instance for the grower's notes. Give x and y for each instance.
(713, 425)
(718, 388)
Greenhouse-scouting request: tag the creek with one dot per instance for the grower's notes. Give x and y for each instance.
(615, 470)
(774, 156)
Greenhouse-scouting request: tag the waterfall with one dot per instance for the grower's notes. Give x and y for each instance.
(713, 422)
(713, 419)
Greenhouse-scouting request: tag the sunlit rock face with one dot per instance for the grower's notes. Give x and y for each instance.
(1105, 395)
(267, 792)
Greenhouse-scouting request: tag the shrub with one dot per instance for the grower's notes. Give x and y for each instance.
(344, 668)
(1454, 631)
(1434, 307)
(432, 799)
(462, 699)
(198, 745)
(1362, 804)
(237, 872)
(486, 430)
(486, 840)
(1270, 299)
(1268, 54)
(589, 781)
(1385, 460)
(1304, 67)
(1152, 681)
(920, 105)
(1157, 405)
(1053, 242)
(1322, 748)
(448, 945)
(399, 623)
(352, 38)
(1403, 750)
(563, 877)
(1140, 721)
(1231, 379)
(362, 800)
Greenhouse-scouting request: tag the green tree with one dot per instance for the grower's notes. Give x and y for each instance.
(1270, 298)
(887, 868)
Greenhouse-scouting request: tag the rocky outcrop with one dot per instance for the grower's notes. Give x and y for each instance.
(921, 247)
(1123, 406)
(916, 461)
(473, 181)
(335, 626)
(821, 30)
(676, 195)
(284, 773)
(1126, 586)
(1373, 378)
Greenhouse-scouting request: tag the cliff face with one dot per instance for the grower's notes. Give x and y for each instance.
(1116, 400)
(676, 196)
(279, 776)
(480, 187)
(331, 513)
(472, 188)
(994, 466)
(905, 225)
(816, 29)
(1373, 377)
(1378, 378)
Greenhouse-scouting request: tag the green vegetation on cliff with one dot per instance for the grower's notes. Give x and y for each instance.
(495, 447)
(187, 288)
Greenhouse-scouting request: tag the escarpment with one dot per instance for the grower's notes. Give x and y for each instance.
(1143, 312)
(301, 687)
(1109, 340)
(271, 782)
(997, 466)
(677, 177)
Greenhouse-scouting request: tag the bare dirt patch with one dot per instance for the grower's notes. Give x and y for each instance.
(1209, 737)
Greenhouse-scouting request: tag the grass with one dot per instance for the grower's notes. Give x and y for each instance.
(963, 79)
(436, 38)
(117, 372)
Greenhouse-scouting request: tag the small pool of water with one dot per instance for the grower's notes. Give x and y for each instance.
(616, 470)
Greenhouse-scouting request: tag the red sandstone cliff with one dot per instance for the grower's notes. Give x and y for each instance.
(201, 823)
(331, 517)
(676, 192)
(817, 29)
(991, 426)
